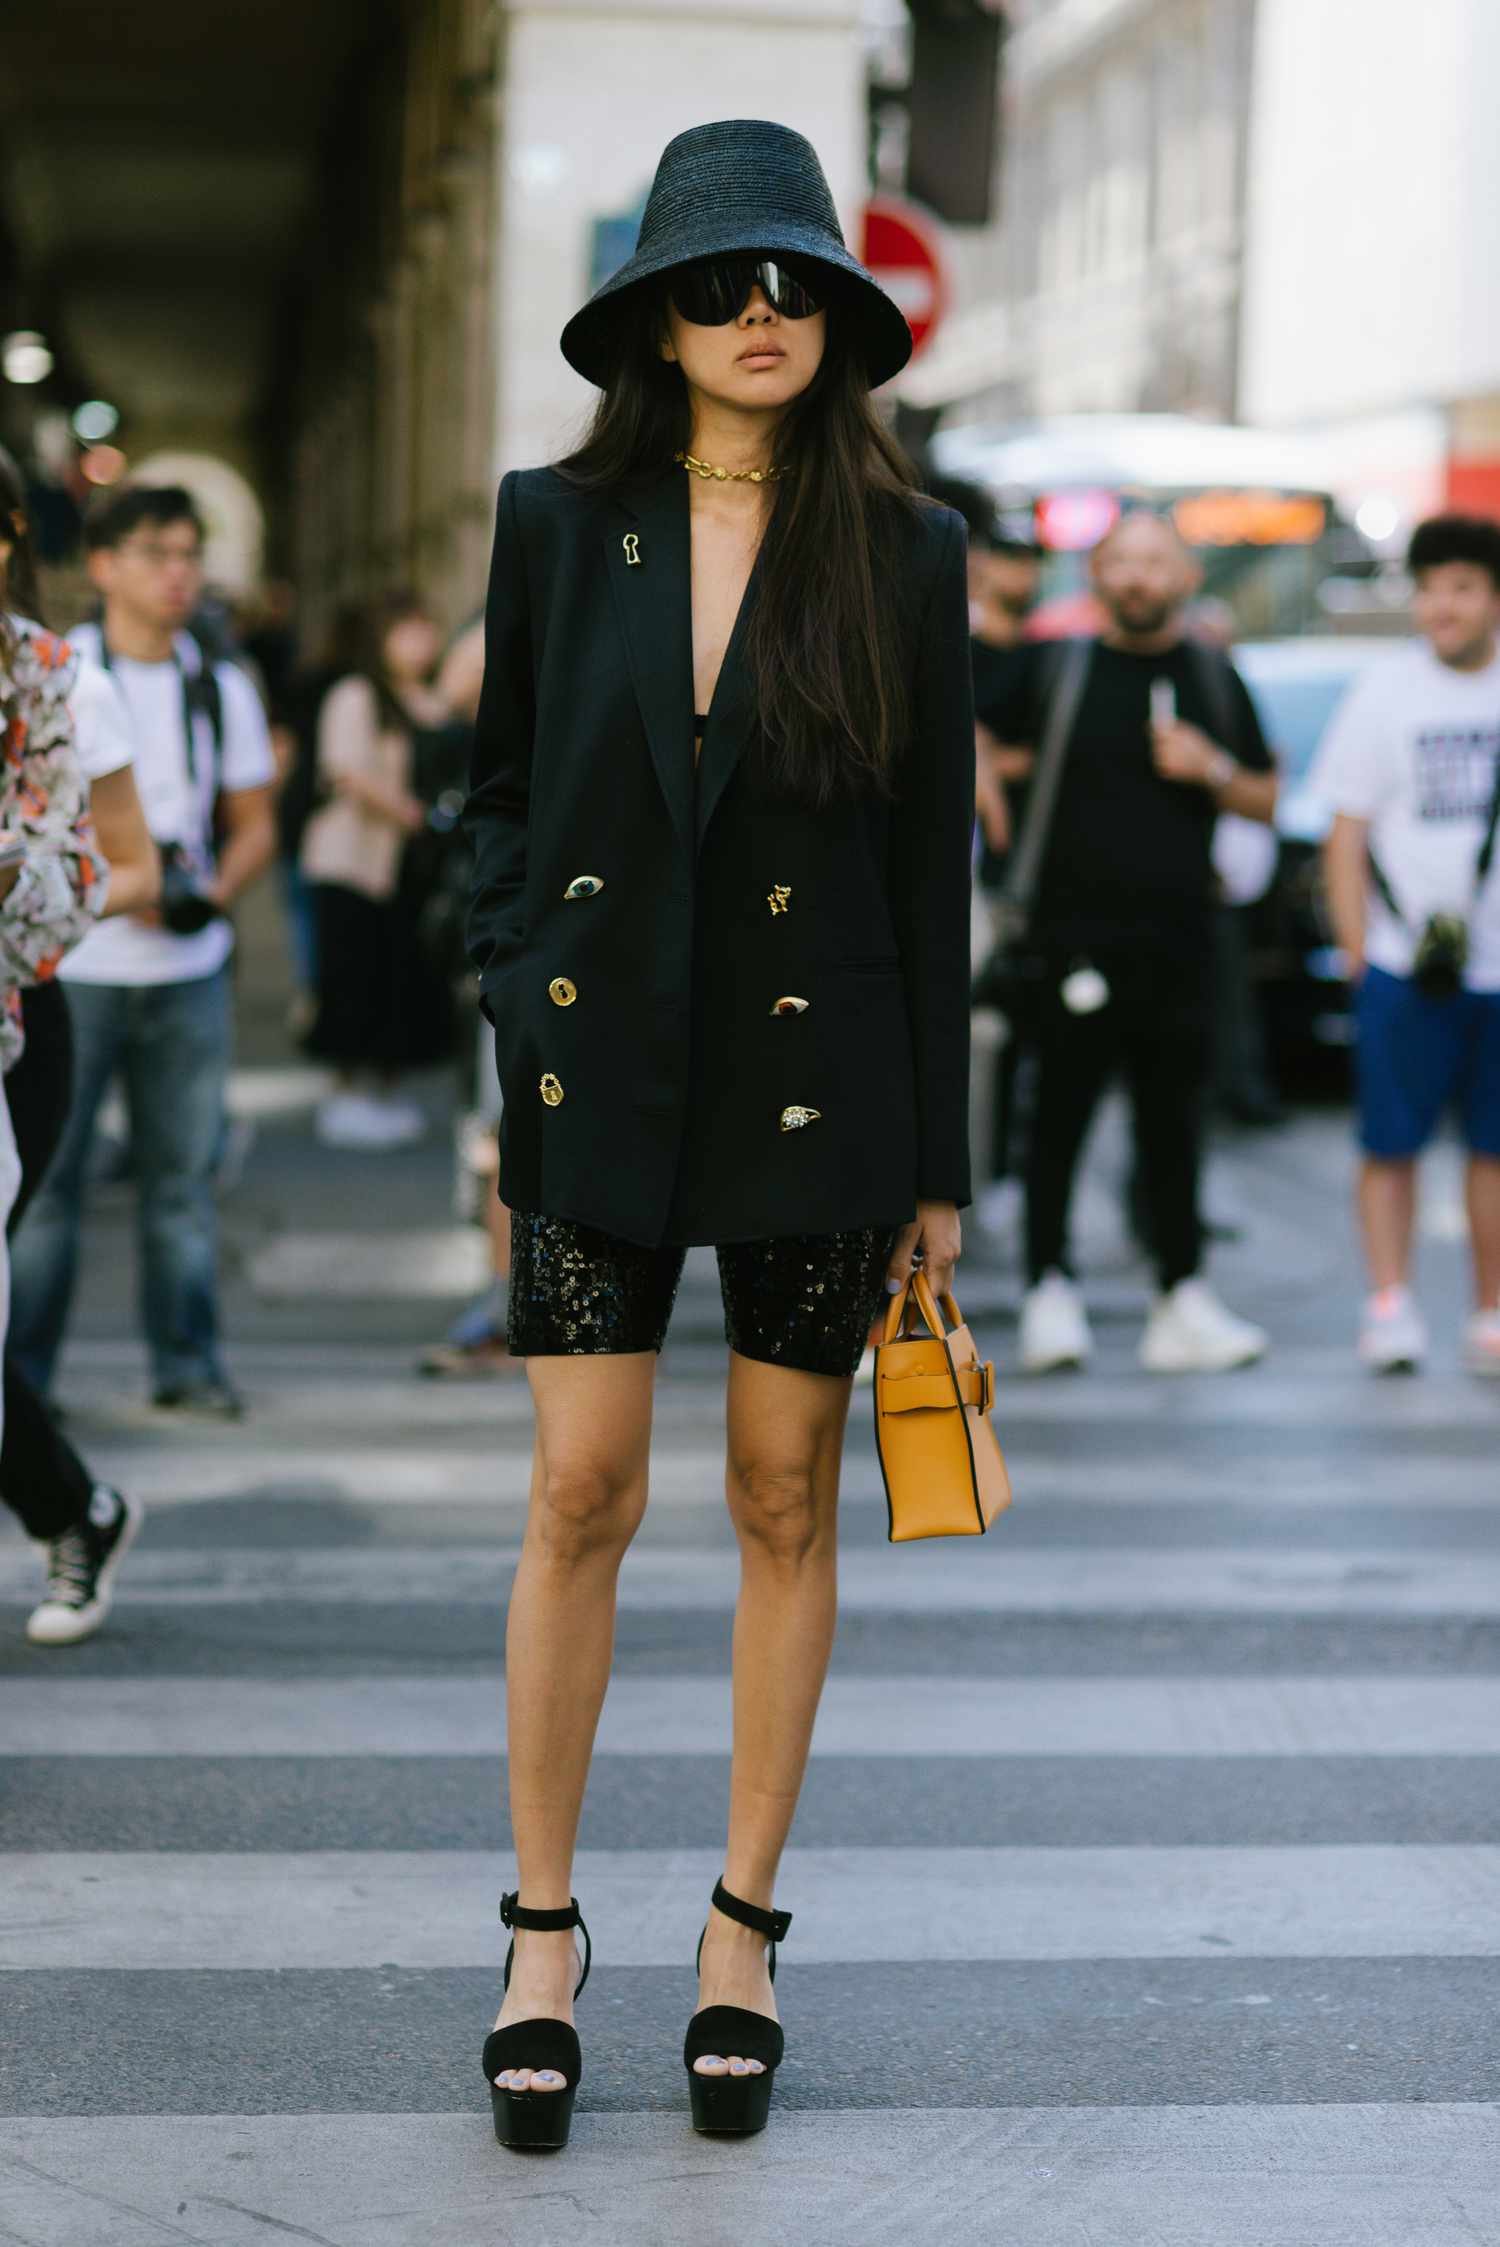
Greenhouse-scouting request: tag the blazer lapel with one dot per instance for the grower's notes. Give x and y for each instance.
(731, 716)
(647, 557)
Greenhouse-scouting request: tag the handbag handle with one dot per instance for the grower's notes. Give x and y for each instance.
(917, 1294)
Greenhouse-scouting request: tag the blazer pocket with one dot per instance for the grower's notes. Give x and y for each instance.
(503, 995)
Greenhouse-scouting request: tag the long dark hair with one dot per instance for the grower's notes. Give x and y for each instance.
(357, 646)
(18, 590)
(18, 587)
(823, 656)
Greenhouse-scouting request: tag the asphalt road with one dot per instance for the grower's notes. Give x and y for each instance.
(1147, 1880)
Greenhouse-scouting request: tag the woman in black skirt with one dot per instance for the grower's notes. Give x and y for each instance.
(723, 791)
(383, 1007)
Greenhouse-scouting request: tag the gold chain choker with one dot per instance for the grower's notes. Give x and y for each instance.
(705, 468)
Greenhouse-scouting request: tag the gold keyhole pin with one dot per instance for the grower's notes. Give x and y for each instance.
(632, 547)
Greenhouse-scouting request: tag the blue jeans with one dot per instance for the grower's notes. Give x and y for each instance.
(170, 1042)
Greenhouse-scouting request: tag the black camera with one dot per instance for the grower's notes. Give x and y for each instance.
(187, 906)
(1442, 956)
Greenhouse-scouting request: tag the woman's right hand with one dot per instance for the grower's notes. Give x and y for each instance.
(936, 1232)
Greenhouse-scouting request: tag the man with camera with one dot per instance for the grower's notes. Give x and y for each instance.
(150, 995)
(1411, 770)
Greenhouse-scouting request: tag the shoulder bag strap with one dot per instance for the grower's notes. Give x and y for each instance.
(200, 691)
(1482, 864)
(1018, 893)
(1486, 858)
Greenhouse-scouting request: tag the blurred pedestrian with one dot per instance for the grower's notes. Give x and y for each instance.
(726, 955)
(86, 1526)
(1411, 769)
(149, 993)
(1005, 579)
(383, 1006)
(1245, 856)
(52, 888)
(1145, 747)
(476, 1345)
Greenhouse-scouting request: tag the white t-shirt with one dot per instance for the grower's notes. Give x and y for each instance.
(1413, 749)
(177, 809)
(102, 738)
(102, 732)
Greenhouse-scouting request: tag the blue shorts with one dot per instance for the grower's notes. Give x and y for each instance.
(1418, 1058)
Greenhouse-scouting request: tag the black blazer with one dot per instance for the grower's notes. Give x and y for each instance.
(634, 922)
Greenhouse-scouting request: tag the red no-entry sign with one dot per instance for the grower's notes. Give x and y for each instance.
(902, 244)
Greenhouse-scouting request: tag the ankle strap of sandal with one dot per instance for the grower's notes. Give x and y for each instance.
(773, 1924)
(513, 1913)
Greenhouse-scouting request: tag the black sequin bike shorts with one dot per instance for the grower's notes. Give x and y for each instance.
(806, 1302)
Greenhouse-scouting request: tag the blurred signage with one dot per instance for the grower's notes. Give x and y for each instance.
(613, 237)
(902, 244)
(1073, 522)
(1253, 518)
(953, 107)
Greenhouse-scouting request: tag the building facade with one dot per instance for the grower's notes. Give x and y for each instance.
(318, 263)
(1112, 282)
(387, 378)
(1372, 315)
(505, 158)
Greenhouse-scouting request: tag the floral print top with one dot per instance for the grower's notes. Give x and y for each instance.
(44, 799)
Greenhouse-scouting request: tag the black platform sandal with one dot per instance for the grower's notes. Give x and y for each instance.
(538, 2120)
(737, 2104)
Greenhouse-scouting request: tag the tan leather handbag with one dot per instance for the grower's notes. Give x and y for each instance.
(945, 1474)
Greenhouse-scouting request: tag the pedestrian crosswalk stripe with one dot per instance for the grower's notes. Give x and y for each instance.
(942, 1579)
(861, 1716)
(359, 1908)
(1387, 2175)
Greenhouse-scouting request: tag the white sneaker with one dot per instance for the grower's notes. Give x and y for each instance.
(1482, 1343)
(1191, 1331)
(1055, 1335)
(1392, 1335)
(355, 1120)
(406, 1120)
(81, 1566)
(999, 1207)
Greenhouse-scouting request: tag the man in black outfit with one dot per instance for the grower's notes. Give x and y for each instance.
(1163, 739)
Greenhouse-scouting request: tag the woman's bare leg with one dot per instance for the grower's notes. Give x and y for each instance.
(786, 1436)
(588, 1493)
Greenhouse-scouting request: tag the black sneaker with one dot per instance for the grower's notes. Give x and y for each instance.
(81, 1568)
(200, 1400)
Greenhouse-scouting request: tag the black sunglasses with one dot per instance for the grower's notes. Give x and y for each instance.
(715, 290)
